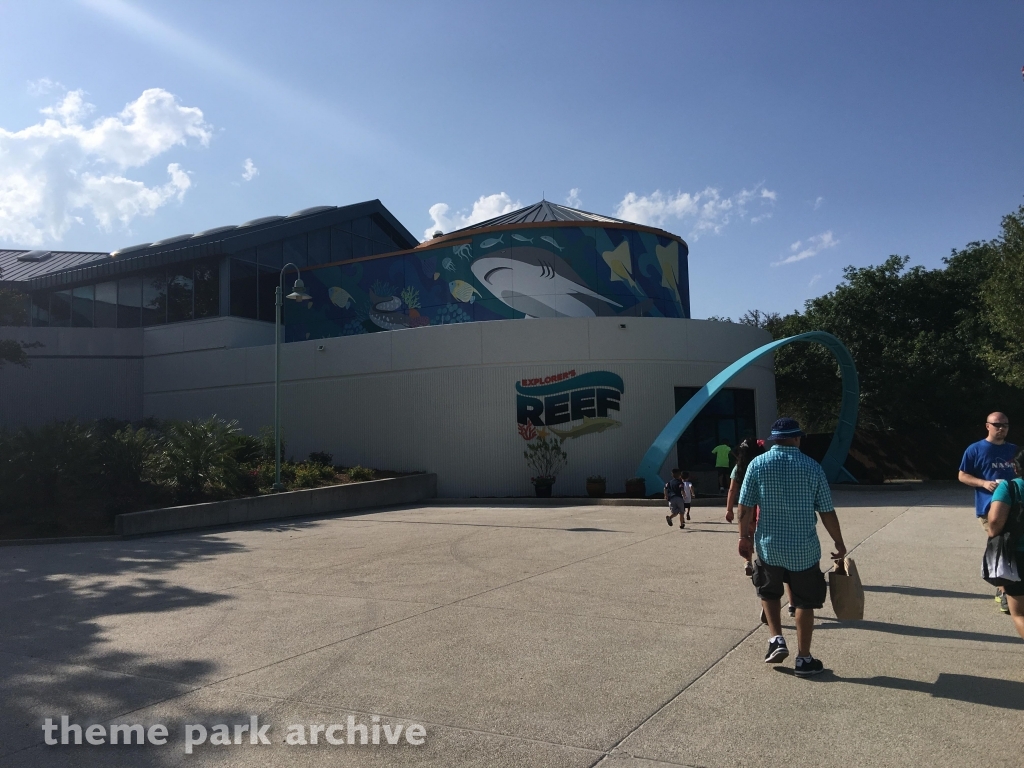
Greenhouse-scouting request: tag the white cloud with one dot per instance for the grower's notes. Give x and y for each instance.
(53, 169)
(43, 86)
(818, 203)
(709, 210)
(814, 279)
(801, 250)
(250, 171)
(486, 207)
(573, 200)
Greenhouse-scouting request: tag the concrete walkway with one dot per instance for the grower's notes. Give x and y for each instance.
(517, 637)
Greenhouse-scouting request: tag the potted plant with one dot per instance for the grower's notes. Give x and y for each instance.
(596, 486)
(545, 457)
(636, 488)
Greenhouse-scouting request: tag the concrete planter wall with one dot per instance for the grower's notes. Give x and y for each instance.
(315, 501)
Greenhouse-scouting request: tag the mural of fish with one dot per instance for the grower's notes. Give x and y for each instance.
(539, 283)
(448, 264)
(620, 264)
(339, 297)
(668, 258)
(463, 291)
(549, 239)
(590, 426)
(491, 242)
(522, 239)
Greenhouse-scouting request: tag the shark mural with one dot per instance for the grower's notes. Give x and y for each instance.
(518, 272)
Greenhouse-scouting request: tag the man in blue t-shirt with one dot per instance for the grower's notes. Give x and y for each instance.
(988, 461)
(985, 463)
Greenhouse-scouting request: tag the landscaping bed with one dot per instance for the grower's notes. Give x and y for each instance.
(73, 478)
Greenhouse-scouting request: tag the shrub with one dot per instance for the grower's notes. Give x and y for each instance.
(45, 464)
(312, 474)
(545, 456)
(198, 458)
(128, 459)
(358, 474)
(322, 457)
(267, 442)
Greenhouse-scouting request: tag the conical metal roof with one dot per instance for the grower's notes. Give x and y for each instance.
(541, 212)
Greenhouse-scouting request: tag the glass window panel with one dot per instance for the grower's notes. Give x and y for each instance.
(295, 251)
(154, 299)
(270, 255)
(179, 295)
(106, 305)
(82, 299)
(60, 309)
(319, 247)
(341, 244)
(207, 290)
(40, 310)
(247, 254)
(243, 289)
(360, 247)
(268, 279)
(361, 226)
(129, 302)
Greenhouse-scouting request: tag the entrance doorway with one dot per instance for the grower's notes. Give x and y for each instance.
(728, 418)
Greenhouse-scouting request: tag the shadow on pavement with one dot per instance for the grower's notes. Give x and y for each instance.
(970, 689)
(900, 589)
(912, 631)
(52, 604)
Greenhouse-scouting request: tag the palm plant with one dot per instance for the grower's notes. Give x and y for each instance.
(199, 458)
(129, 458)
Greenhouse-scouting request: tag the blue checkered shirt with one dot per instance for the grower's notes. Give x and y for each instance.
(789, 487)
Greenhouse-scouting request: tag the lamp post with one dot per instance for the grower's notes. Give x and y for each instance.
(298, 294)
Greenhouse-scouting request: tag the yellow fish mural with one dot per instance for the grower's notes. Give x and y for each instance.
(620, 263)
(463, 291)
(339, 297)
(668, 258)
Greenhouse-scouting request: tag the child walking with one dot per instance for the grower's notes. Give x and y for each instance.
(679, 494)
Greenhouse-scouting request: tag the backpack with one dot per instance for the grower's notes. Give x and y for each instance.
(999, 566)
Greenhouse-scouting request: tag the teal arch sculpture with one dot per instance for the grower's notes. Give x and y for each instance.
(835, 457)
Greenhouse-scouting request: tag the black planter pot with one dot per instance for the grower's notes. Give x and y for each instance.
(543, 490)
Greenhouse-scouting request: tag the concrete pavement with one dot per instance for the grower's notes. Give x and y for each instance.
(517, 636)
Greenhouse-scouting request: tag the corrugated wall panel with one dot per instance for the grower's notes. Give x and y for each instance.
(56, 388)
(459, 421)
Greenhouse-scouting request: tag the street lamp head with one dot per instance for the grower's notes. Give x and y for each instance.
(299, 291)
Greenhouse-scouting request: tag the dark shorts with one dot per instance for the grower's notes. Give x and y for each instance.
(807, 588)
(1016, 588)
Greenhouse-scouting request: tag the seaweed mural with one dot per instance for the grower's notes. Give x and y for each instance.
(556, 271)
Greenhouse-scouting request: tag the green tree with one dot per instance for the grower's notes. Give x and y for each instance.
(1003, 298)
(918, 337)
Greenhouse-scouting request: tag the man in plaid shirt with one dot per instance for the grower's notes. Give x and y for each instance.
(790, 488)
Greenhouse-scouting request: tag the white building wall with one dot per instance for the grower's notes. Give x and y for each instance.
(443, 398)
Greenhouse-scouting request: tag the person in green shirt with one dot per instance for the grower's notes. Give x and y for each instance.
(998, 514)
(722, 454)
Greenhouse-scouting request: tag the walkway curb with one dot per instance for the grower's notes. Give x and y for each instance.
(305, 503)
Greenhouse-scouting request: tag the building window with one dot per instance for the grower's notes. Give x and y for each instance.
(728, 418)
(295, 251)
(39, 312)
(60, 309)
(179, 295)
(207, 290)
(268, 282)
(106, 305)
(243, 289)
(82, 299)
(154, 299)
(129, 302)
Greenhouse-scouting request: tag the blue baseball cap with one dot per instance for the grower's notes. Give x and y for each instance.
(785, 428)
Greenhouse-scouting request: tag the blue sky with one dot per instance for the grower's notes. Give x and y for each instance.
(783, 141)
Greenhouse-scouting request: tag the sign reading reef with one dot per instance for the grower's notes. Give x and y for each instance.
(581, 402)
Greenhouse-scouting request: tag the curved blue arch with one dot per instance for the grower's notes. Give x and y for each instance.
(650, 465)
